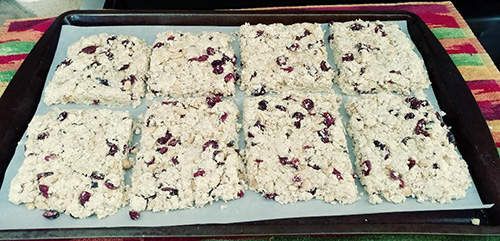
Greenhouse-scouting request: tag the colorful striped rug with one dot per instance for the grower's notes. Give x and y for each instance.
(17, 37)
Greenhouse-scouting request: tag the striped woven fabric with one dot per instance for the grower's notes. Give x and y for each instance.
(17, 37)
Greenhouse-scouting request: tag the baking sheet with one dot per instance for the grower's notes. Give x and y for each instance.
(250, 208)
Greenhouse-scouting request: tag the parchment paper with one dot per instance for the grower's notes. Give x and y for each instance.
(250, 208)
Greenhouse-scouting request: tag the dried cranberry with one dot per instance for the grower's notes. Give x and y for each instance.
(124, 67)
(259, 33)
(131, 78)
(308, 104)
(223, 117)
(113, 148)
(296, 179)
(174, 160)
(97, 175)
(416, 103)
(110, 185)
(259, 125)
(315, 167)
(298, 115)
(280, 107)
(312, 191)
(159, 44)
(281, 60)
(50, 214)
(288, 69)
(199, 172)
(395, 72)
(210, 51)
(348, 57)
(293, 47)
(134, 215)
(42, 135)
(150, 162)
(250, 135)
(200, 58)
(104, 82)
(229, 77)
(324, 66)
(395, 176)
(366, 167)
(213, 143)
(172, 191)
(356, 27)
(420, 128)
(162, 150)
(162, 140)
(262, 105)
(409, 116)
(240, 194)
(84, 197)
(337, 174)
(411, 163)
(43, 174)
(324, 135)
(306, 33)
(44, 190)
(171, 37)
(328, 119)
(270, 196)
(259, 161)
(378, 28)
(435, 166)
(260, 91)
(89, 49)
(214, 99)
(49, 157)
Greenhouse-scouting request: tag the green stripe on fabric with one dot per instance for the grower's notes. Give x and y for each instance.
(442, 33)
(466, 59)
(16, 47)
(6, 76)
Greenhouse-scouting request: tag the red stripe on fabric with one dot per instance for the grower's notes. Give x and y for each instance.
(42, 27)
(489, 109)
(482, 86)
(10, 58)
(439, 20)
(417, 8)
(17, 26)
(465, 48)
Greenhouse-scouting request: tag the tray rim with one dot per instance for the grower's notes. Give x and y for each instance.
(66, 18)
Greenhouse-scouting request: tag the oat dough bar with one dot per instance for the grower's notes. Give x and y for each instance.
(73, 163)
(296, 148)
(404, 149)
(281, 57)
(101, 69)
(187, 156)
(374, 57)
(192, 64)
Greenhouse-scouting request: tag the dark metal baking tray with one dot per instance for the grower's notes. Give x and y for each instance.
(18, 104)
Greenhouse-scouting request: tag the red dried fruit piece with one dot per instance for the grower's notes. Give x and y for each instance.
(43, 174)
(294, 47)
(270, 196)
(249, 134)
(281, 60)
(306, 33)
(337, 174)
(171, 37)
(378, 28)
(89, 49)
(162, 150)
(134, 215)
(213, 143)
(200, 58)
(113, 148)
(288, 69)
(324, 135)
(84, 197)
(110, 185)
(44, 190)
(62, 116)
(396, 176)
(157, 45)
(356, 27)
(259, 33)
(199, 172)
(150, 162)
(49, 157)
(259, 91)
(214, 99)
(174, 160)
(50, 214)
(172, 191)
(223, 117)
(315, 167)
(395, 72)
(259, 161)
(435, 166)
(42, 135)
(409, 116)
(280, 107)
(411, 163)
(124, 67)
(347, 57)
(366, 167)
(328, 119)
(229, 77)
(173, 142)
(324, 66)
(97, 175)
(240, 194)
(210, 51)
(312, 191)
(259, 125)
(162, 140)
(420, 128)
(308, 104)
(131, 78)
(296, 179)
(262, 105)
(416, 103)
